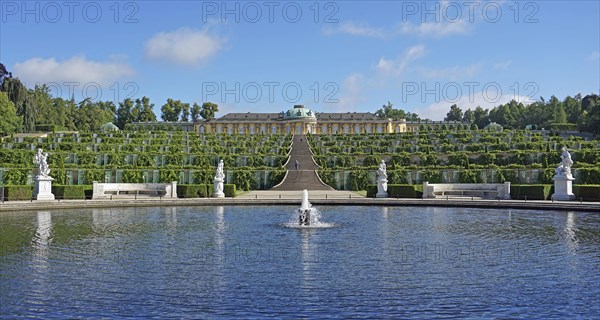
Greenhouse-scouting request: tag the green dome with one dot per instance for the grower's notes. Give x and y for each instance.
(299, 112)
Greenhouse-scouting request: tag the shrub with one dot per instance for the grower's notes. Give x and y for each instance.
(531, 192)
(358, 179)
(69, 192)
(13, 193)
(371, 191)
(193, 191)
(405, 191)
(587, 192)
(229, 190)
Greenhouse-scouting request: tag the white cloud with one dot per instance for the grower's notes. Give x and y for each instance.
(594, 56)
(435, 29)
(452, 73)
(397, 66)
(76, 69)
(183, 46)
(438, 110)
(356, 29)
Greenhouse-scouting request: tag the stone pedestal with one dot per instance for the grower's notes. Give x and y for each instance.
(563, 187)
(218, 188)
(43, 188)
(381, 188)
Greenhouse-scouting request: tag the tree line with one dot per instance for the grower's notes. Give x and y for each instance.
(31, 109)
(575, 113)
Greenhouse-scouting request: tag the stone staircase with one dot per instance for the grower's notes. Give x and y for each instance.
(306, 176)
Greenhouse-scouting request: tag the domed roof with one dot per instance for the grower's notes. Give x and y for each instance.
(299, 112)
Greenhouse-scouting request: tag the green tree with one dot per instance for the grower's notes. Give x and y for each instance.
(10, 122)
(455, 114)
(481, 117)
(469, 116)
(145, 110)
(208, 110)
(195, 112)
(171, 110)
(185, 112)
(18, 94)
(124, 113)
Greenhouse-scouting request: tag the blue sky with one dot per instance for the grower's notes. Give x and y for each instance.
(332, 56)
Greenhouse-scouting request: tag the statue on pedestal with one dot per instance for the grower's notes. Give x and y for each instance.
(43, 181)
(218, 181)
(382, 180)
(563, 179)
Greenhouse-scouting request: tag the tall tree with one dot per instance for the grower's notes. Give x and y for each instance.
(469, 116)
(146, 112)
(195, 112)
(455, 114)
(387, 111)
(185, 112)
(208, 110)
(18, 94)
(10, 122)
(123, 115)
(481, 117)
(171, 110)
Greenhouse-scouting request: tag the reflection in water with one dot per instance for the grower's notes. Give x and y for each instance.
(43, 234)
(570, 229)
(171, 216)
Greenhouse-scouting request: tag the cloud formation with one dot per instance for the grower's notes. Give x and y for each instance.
(77, 69)
(183, 46)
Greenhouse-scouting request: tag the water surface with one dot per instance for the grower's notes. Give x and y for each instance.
(221, 262)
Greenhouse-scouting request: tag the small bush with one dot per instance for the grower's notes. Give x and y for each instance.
(69, 192)
(229, 190)
(371, 191)
(14, 193)
(405, 191)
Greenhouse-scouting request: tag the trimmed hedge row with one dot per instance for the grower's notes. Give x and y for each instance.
(203, 190)
(72, 192)
(531, 191)
(587, 192)
(398, 191)
(14, 193)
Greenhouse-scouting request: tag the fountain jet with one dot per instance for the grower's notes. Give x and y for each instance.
(305, 210)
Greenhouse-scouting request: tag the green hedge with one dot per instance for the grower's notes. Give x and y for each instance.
(405, 190)
(398, 191)
(587, 192)
(70, 192)
(229, 190)
(531, 191)
(13, 193)
(371, 191)
(193, 190)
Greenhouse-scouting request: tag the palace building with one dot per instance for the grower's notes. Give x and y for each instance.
(297, 120)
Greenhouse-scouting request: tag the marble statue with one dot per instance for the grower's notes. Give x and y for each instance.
(42, 160)
(563, 179)
(218, 181)
(382, 180)
(43, 181)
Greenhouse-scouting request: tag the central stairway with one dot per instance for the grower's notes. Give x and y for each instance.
(306, 175)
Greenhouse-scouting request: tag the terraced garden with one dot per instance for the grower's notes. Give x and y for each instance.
(349, 162)
(251, 162)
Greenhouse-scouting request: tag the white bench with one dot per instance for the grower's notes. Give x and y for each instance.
(479, 190)
(134, 190)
